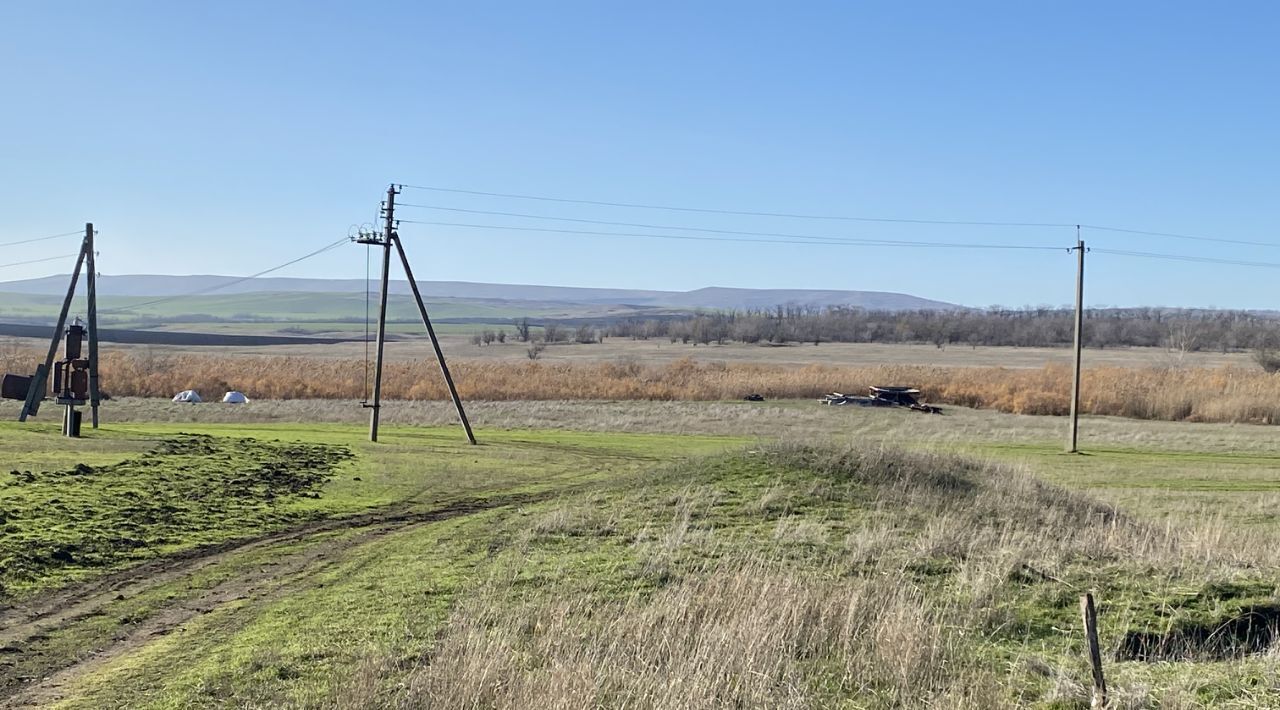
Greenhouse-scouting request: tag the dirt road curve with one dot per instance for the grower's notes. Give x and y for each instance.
(40, 679)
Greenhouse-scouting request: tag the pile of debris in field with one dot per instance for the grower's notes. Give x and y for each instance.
(884, 397)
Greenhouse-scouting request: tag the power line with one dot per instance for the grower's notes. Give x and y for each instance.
(743, 213)
(841, 242)
(38, 261)
(746, 213)
(1173, 235)
(233, 282)
(1188, 258)
(651, 226)
(42, 239)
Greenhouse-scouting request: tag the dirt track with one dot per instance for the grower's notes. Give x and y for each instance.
(24, 627)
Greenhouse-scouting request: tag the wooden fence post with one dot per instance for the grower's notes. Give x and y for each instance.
(1090, 616)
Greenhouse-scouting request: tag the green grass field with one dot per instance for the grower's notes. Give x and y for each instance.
(271, 306)
(322, 328)
(648, 554)
(252, 313)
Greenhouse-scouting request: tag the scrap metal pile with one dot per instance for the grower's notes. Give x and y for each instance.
(884, 397)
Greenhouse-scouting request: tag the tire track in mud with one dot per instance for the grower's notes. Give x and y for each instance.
(23, 627)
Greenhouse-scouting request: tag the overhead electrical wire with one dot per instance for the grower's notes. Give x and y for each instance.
(809, 239)
(233, 282)
(851, 218)
(1187, 258)
(812, 242)
(38, 261)
(42, 239)
(642, 225)
(1173, 235)
(743, 213)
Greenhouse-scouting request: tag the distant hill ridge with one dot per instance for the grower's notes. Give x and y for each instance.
(713, 297)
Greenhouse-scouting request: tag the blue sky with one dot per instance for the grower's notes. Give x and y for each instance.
(229, 137)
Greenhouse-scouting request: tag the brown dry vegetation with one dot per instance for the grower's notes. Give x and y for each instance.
(1228, 394)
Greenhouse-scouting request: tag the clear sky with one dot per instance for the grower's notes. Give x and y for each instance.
(229, 137)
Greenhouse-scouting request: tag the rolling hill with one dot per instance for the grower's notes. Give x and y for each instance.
(192, 309)
(162, 286)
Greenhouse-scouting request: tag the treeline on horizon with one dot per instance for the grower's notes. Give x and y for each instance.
(1179, 329)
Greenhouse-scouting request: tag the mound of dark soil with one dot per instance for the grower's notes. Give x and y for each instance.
(191, 489)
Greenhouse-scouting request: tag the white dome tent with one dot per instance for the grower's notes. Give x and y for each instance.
(188, 396)
(234, 397)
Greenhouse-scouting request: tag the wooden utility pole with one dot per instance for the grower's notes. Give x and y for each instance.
(388, 226)
(91, 297)
(1079, 343)
(435, 342)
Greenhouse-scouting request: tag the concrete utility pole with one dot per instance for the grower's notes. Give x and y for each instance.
(1075, 382)
(40, 383)
(91, 296)
(435, 343)
(386, 240)
(388, 228)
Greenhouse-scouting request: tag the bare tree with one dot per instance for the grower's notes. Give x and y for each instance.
(1178, 330)
(522, 330)
(1181, 340)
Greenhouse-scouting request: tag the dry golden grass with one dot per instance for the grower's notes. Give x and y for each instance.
(739, 636)
(1229, 394)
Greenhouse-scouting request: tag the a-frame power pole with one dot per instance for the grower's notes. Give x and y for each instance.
(388, 238)
(38, 383)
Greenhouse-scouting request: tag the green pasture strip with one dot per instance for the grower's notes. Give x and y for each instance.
(1239, 487)
(1141, 467)
(39, 445)
(281, 306)
(320, 329)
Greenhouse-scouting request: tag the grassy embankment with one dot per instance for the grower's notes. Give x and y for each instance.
(770, 576)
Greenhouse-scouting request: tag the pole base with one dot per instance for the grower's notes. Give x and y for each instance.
(71, 422)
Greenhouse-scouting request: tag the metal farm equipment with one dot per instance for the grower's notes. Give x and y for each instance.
(905, 397)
